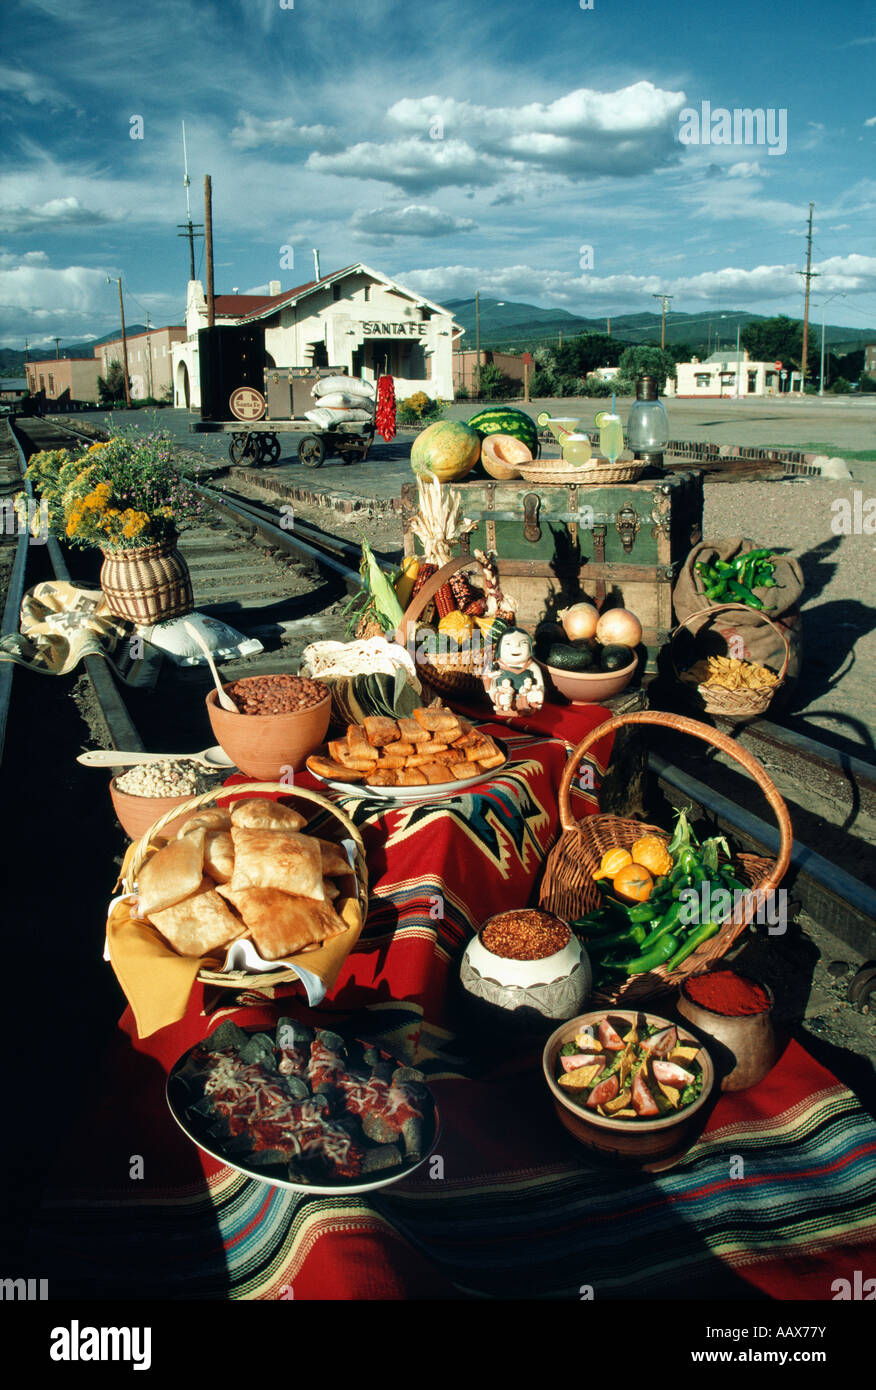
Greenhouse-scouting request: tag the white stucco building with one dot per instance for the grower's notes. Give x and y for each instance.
(355, 318)
(716, 376)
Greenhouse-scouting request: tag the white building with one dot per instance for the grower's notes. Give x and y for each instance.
(355, 318)
(716, 376)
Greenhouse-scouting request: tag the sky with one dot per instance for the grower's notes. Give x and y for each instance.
(549, 151)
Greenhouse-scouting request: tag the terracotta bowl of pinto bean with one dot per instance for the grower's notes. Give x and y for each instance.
(280, 720)
(640, 1133)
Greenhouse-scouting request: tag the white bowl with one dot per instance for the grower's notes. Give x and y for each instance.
(556, 986)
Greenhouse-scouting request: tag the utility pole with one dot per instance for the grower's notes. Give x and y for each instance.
(664, 298)
(478, 339)
(608, 328)
(808, 275)
(149, 391)
(109, 280)
(57, 342)
(187, 228)
(208, 242)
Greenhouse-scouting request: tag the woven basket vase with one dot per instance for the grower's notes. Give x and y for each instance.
(141, 849)
(568, 888)
(733, 704)
(148, 584)
(450, 673)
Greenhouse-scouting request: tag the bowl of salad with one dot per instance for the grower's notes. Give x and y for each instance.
(629, 1085)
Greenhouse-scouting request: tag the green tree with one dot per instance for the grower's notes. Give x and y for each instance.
(841, 387)
(636, 361)
(780, 339)
(867, 385)
(585, 353)
(112, 386)
(494, 385)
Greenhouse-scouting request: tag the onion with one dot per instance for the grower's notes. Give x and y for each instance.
(619, 627)
(579, 622)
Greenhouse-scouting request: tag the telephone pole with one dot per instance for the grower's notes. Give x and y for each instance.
(608, 328)
(808, 274)
(109, 280)
(208, 240)
(664, 298)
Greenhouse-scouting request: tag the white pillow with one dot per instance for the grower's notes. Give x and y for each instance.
(326, 417)
(349, 385)
(343, 400)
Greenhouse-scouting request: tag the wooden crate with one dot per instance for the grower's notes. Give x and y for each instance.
(621, 545)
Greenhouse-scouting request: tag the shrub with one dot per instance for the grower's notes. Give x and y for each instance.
(867, 385)
(419, 409)
(495, 385)
(597, 386)
(462, 393)
(840, 387)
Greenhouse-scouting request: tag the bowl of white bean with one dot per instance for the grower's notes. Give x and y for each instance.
(147, 791)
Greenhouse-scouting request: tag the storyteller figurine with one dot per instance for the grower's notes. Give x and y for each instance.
(514, 682)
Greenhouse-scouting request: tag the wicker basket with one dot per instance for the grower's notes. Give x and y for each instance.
(568, 888)
(733, 704)
(554, 472)
(460, 672)
(140, 850)
(147, 585)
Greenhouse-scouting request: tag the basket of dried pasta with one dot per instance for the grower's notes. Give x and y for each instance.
(725, 684)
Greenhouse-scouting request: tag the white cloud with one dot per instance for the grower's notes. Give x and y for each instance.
(252, 132)
(446, 142)
(871, 120)
(57, 212)
(744, 171)
(416, 219)
(30, 86)
(764, 283)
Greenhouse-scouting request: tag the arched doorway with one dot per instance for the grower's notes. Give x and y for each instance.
(183, 397)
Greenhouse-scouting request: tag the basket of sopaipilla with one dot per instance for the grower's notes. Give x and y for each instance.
(653, 906)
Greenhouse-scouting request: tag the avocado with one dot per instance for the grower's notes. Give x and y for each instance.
(615, 658)
(568, 658)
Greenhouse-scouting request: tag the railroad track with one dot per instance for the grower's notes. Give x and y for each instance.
(240, 565)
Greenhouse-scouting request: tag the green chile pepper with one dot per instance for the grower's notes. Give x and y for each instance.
(649, 960)
(744, 595)
(696, 938)
(635, 936)
(668, 922)
(644, 912)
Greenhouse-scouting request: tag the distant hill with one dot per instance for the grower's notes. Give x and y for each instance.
(517, 327)
(12, 359)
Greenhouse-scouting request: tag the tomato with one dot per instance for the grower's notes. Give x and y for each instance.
(643, 1101)
(605, 1091)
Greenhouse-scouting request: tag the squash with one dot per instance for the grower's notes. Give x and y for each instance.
(446, 450)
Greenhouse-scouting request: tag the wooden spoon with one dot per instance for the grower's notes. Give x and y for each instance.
(225, 700)
(213, 757)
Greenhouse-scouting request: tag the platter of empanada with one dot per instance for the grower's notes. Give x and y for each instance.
(257, 872)
(426, 756)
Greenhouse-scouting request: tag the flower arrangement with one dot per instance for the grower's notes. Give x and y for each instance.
(121, 494)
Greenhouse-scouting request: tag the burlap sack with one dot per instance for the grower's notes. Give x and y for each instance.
(760, 642)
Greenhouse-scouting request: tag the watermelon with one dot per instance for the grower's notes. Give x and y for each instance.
(504, 420)
(448, 449)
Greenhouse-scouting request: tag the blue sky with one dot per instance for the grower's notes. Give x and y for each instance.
(452, 146)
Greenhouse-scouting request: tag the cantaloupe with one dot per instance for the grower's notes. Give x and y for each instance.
(502, 453)
(448, 450)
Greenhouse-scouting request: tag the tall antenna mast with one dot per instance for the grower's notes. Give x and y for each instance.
(188, 229)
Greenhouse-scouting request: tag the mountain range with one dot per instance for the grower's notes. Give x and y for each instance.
(517, 327)
(12, 359)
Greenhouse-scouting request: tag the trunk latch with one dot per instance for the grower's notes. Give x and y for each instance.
(531, 528)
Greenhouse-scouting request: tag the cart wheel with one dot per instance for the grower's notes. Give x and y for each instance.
(270, 448)
(311, 451)
(237, 447)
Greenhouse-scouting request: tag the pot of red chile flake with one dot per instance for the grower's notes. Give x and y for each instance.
(735, 1014)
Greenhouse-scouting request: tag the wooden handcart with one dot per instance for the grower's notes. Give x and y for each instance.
(257, 442)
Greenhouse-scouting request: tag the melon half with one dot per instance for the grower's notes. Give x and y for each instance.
(502, 455)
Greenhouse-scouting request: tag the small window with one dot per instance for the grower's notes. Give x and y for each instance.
(703, 379)
(366, 294)
(752, 381)
(51, 384)
(336, 293)
(42, 382)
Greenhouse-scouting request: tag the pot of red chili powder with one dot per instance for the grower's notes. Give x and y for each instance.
(735, 1011)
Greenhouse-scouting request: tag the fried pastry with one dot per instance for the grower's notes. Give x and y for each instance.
(172, 873)
(273, 859)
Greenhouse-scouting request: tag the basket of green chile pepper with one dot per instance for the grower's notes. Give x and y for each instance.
(694, 912)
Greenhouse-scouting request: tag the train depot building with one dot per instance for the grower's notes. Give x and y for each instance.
(355, 319)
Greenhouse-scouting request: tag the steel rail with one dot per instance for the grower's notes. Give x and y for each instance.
(120, 728)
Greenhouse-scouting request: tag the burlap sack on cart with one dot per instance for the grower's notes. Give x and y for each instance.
(759, 642)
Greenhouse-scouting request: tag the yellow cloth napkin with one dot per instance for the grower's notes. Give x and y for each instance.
(157, 981)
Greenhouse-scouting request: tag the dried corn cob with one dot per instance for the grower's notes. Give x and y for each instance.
(477, 608)
(462, 590)
(424, 573)
(445, 601)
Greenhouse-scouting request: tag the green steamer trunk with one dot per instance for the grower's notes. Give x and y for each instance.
(621, 545)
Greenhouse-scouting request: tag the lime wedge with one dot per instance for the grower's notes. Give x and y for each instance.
(599, 417)
(543, 418)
